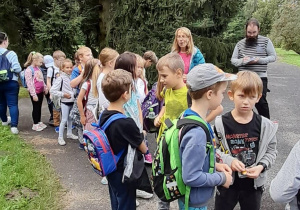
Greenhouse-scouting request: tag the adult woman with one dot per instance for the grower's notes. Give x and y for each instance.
(184, 45)
(9, 87)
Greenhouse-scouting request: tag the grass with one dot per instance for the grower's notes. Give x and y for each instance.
(289, 57)
(27, 180)
(23, 93)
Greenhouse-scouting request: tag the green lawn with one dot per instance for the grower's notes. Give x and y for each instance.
(27, 180)
(23, 93)
(289, 57)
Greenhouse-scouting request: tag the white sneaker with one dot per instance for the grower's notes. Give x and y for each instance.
(104, 181)
(14, 130)
(37, 127)
(143, 194)
(7, 122)
(137, 203)
(42, 125)
(61, 141)
(72, 136)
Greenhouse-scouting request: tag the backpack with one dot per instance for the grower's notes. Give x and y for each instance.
(57, 100)
(166, 167)
(6, 72)
(151, 107)
(22, 76)
(97, 146)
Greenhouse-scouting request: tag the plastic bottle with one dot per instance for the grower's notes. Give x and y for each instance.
(151, 114)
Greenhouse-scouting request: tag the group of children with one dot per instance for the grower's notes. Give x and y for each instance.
(245, 143)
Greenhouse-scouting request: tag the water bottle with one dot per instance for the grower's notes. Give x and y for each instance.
(151, 114)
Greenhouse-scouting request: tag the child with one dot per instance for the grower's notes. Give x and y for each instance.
(89, 85)
(141, 82)
(116, 86)
(61, 88)
(149, 58)
(285, 186)
(107, 58)
(170, 68)
(53, 73)
(206, 87)
(247, 143)
(132, 107)
(83, 54)
(36, 87)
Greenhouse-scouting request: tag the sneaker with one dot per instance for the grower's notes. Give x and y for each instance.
(51, 123)
(72, 136)
(7, 122)
(81, 146)
(42, 125)
(37, 127)
(14, 130)
(137, 203)
(143, 194)
(148, 158)
(104, 181)
(61, 141)
(56, 129)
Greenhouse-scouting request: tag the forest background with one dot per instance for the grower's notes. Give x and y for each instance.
(140, 25)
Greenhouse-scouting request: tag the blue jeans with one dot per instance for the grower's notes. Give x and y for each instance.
(182, 206)
(9, 92)
(122, 196)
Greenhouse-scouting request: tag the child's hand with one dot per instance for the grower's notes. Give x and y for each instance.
(254, 172)
(83, 120)
(223, 168)
(35, 98)
(237, 165)
(46, 92)
(157, 121)
(228, 180)
(66, 95)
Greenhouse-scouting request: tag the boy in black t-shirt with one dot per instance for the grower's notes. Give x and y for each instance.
(247, 143)
(116, 87)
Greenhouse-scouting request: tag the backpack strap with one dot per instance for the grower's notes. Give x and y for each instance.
(111, 119)
(61, 84)
(5, 53)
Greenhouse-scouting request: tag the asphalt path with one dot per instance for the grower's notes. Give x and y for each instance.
(82, 185)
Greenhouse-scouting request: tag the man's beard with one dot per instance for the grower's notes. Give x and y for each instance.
(251, 40)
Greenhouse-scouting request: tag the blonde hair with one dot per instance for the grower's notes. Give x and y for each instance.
(172, 60)
(92, 71)
(190, 45)
(58, 57)
(140, 62)
(107, 54)
(116, 83)
(32, 56)
(248, 82)
(63, 63)
(81, 51)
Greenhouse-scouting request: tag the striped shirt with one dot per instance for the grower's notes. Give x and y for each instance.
(262, 49)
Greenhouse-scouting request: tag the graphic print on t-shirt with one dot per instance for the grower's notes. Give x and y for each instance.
(243, 139)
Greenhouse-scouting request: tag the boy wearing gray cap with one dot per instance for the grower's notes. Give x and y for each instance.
(247, 143)
(206, 86)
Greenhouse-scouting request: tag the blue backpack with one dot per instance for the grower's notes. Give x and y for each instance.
(97, 146)
(22, 76)
(6, 72)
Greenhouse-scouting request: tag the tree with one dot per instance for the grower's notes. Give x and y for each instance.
(285, 30)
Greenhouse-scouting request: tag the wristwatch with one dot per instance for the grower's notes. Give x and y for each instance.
(263, 165)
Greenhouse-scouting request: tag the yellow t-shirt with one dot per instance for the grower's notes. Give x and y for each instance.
(175, 104)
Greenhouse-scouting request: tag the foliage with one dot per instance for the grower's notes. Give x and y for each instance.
(289, 57)
(27, 175)
(23, 93)
(285, 30)
(142, 25)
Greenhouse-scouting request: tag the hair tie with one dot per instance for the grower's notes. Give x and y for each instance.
(33, 52)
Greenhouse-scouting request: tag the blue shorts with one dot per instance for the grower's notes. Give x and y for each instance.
(182, 207)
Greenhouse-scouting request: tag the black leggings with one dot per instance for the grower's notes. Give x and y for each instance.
(37, 108)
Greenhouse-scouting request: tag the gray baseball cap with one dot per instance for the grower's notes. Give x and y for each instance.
(205, 75)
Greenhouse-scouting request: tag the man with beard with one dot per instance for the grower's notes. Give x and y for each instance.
(253, 53)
